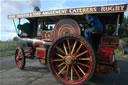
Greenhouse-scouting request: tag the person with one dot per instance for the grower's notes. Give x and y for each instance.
(24, 30)
(94, 26)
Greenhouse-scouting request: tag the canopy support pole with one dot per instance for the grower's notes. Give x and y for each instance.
(117, 27)
(14, 24)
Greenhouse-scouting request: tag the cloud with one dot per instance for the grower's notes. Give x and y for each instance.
(10, 6)
(7, 36)
(53, 4)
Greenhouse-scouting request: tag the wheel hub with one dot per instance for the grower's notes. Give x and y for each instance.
(69, 60)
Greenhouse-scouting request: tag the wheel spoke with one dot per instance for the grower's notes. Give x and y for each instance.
(66, 77)
(60, 50)
(81, 70)
(83, 64)
(78, 48)
(17, 58)
(19, 63)
(60, 64)
(76, 72)
(88, 59)
(60, 55)
(19, 53)
(62, 70)
(73, 47)
(71, 73)
(56, 60)
(81, 53)
(69, 47)
(65, 49)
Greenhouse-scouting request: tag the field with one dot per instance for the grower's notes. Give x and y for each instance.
(7, 48)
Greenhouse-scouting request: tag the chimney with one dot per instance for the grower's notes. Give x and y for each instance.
(36, 8)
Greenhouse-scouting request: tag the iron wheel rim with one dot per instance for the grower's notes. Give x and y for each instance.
(18, 58)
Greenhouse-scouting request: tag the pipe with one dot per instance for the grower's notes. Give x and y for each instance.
(35, 42)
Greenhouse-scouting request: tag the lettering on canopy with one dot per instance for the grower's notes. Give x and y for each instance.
(73, 11)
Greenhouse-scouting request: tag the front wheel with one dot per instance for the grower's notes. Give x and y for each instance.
(71, 59)
(20, 58)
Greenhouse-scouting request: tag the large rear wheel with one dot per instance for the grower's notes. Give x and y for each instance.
(20, 58)
(71, 59)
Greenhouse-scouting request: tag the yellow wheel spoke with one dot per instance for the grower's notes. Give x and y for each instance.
(81, 70)
(20, 56)
(60, 64)
(19, 63)
(60, 50)
(78, 48)
(56, 60)
(74, 47)
(19, 53)
(83, 64)
(81, 53)
(88, 59)
(66, 77)
(71, 73)
(69, 47)
(76, 72)
(60, 55)
(17, 58)
(62, 70)
(65, 49)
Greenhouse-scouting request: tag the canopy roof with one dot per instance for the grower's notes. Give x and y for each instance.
(107, 14)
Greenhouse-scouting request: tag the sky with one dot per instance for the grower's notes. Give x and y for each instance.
(7, 7)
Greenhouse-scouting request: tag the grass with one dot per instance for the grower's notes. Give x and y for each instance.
(125, 39)
(118, 52)
(7, 48)
(7, 44)
(7, 53)
(3, 43)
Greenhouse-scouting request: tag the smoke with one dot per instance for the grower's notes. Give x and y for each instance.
(12, 6)
(8, 6)
(34, 3)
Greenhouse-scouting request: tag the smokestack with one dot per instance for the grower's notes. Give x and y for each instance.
(36, 8)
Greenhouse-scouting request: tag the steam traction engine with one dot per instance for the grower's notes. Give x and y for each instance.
(69, 56)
